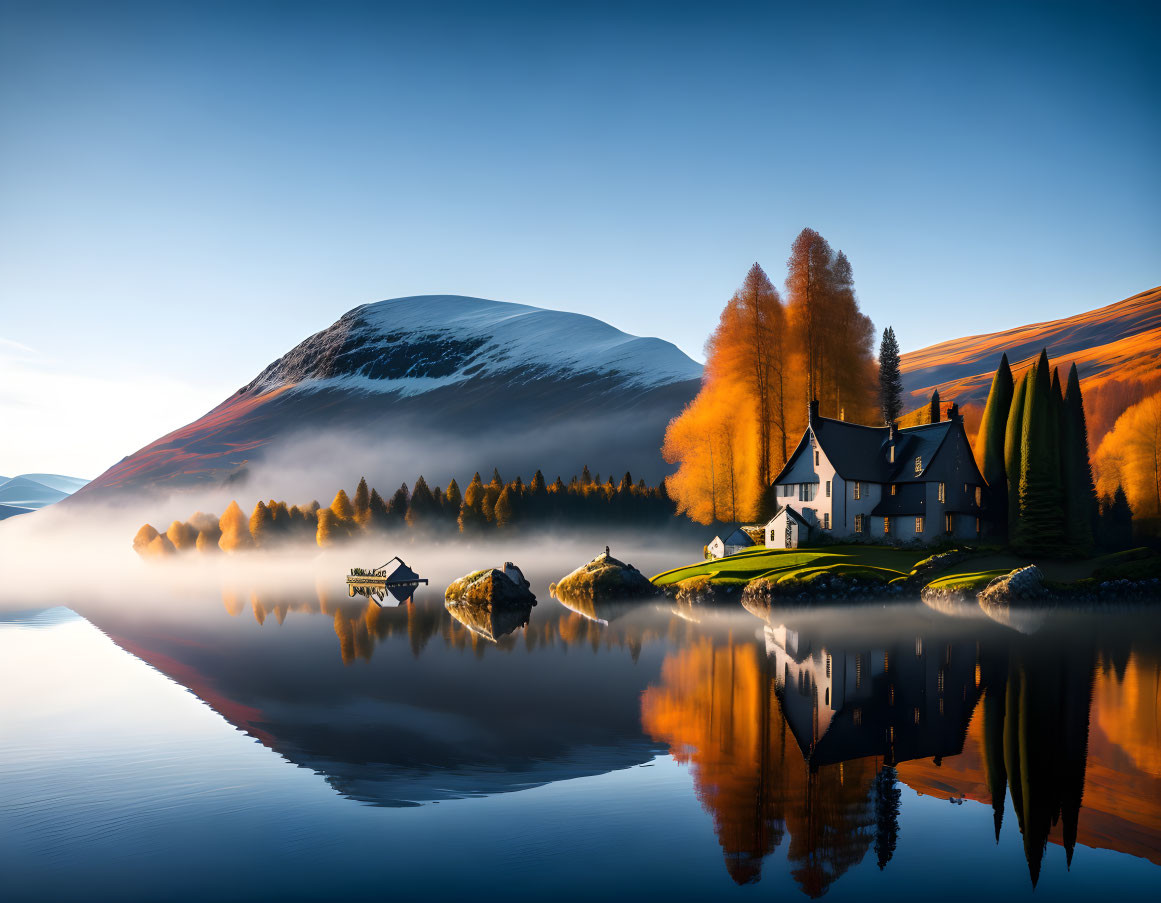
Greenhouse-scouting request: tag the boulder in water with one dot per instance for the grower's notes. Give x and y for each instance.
(492, 588)
(604, 579)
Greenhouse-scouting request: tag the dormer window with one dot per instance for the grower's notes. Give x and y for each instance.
(891, 453)
(919, 465)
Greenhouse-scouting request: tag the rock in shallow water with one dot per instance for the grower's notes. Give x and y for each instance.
(601, 580)
(492, 587)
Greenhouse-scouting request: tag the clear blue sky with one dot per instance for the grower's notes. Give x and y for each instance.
(189, 189)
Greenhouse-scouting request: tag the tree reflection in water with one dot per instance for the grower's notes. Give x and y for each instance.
(802, 737)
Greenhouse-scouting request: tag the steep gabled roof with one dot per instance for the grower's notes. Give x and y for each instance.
(790, 512)
(738, 537)
(860, 452)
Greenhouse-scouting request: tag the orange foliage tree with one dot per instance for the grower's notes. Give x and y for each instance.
(1130, 456)
(764, 361)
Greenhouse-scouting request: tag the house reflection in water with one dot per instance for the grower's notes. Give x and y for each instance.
(802, 737)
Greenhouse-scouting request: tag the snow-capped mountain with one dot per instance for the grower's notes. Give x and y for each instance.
(459, 384)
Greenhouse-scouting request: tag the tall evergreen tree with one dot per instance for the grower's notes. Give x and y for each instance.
(1014, 454)
(503, 510)
(452, 500)
(933, 415)
(342, 506)
(887, 804)
(990, 444)
(890, 380)
(397, 506)
(1041, 498)
(1080, 501)
(362, 504)
(421, 508)
(377, 517)
(472, 510)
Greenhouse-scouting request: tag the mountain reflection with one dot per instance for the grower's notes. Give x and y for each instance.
(800, 730)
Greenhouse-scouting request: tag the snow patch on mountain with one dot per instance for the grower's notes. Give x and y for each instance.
(413, 345)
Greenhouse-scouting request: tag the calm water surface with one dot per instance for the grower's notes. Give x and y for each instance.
(242, 744)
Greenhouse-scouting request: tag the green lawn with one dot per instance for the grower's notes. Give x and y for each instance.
(803, 564)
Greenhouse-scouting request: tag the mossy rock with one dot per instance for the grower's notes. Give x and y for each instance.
(491, 588)
(603, 579)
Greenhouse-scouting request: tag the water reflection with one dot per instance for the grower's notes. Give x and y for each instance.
(801, 730)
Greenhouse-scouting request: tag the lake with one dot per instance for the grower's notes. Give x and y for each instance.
(233, 738)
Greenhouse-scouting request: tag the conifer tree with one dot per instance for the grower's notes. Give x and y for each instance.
(472, 511)
(1014, 454)
(1080, 494)
(342, 506)
(362, 504)
(183, 536)
(377, 517)
(422, 509)
(933, 415)
(890, 379)
(990, 444)
(1041, 499)
(537, 486)
(397, 506)
(1120, 518)
(330, 528)
(235, 530)
(452, 500)
(503, 511)
(586, 477)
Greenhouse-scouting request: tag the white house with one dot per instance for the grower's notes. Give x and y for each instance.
(734, 542)
(884, 484)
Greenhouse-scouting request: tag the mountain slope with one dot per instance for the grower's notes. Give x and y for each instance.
(460, 384)
(1115, 348)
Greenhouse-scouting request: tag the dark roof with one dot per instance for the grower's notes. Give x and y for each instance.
(909, 499)
(738, 537)
(860, 452)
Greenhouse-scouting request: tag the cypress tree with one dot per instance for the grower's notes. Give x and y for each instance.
(990, 444)
(1080, 501)
(890, 380)
(1041, 499)
(1014, 454)
(933, 411)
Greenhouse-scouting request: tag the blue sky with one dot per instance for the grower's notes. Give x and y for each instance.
(189, 189)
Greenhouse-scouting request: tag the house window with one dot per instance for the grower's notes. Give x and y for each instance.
(919, 525)
(806, 492)
(979, 495)
(943, 492)
(947, 524)
(858, 523)
(891, 453)
(828, 666)
(816, 458)
(858, 490)
(857, 716)
(892, 489)
(886, 525)
(919, 465)
(828, 489)
(967, 489)
(826, 520)
(977, 527)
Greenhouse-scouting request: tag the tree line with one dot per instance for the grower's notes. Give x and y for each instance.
(482, 507)
(765, 361)
(1033, 448)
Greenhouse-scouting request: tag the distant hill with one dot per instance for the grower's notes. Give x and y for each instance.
(1117, 351)
(31, 491)
(450, 384)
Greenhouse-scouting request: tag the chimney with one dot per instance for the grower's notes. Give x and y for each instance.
(891, 430)
(812, 415)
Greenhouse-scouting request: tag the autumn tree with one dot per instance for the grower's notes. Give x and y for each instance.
(342, 506)
(1129, 457)
(503, 509)
(235, 530)
(472, 511)
(362, 505)
(183, 536)
(990, 443)
(808, 284)
(144, 537)
(261, 526)
(890, 379)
